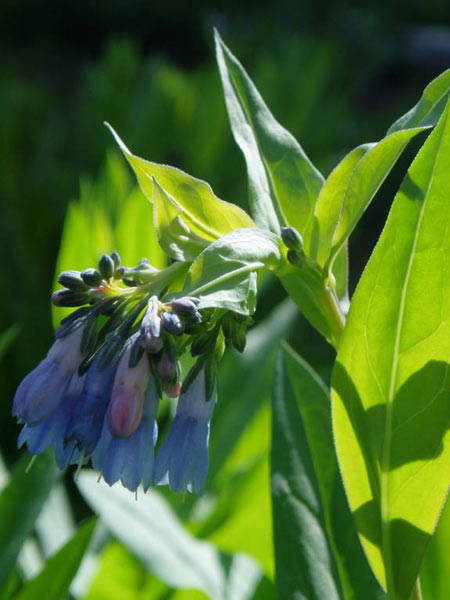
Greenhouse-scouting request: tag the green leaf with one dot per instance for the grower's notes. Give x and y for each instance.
(207, 213)
(7, 337)
(54, 581)
(151, 531)
(351, 186)
(303, 561)
(314, 409)
(283, 183)
(429, 108)
(20, 504)
(434, 578)
(224, 274)
(390, 393)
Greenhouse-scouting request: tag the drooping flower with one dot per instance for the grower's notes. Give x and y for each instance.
(42, 390)
(52, 431)
(130, 458)
(182, 461)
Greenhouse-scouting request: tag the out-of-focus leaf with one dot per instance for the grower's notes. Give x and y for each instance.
(54, 581)
(283, 183)
(314, 409)
(434, 578)
(224, 274)
(152, 532)
(20, 504)
(7, 337)
(390, 381)
(211, 215)
(304, 565)
(429, 108)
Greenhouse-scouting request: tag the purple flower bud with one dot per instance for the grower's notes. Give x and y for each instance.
(172, 323)
(70, 298)
(166, 367)
(151, 339)
(185, 307)
(42, 389)
(172, 389)
(127, 396)
(91, 277)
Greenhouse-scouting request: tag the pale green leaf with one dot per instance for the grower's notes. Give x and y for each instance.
(53, 582)
(152, 532)
(304, 566)
(21, 502)
(224, 274)
(390, 391)
(283, 183)
(212, 216)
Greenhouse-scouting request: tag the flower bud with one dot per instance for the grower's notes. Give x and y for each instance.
(184, 307)
(106, 266)
(291, 238)
(151, 339)
(297, 259)
(127, 397)
(116, 258)
(166, 366)
(91, 277)
(172, 323)
(72, 280)
(69, 298)
(172, 389)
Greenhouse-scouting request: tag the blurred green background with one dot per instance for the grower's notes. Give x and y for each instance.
(334, 74)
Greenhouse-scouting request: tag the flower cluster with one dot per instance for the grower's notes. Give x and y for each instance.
(96, 394)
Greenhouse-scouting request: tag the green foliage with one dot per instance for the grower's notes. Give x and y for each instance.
(20, 504)
(390, 397)
(54, 581)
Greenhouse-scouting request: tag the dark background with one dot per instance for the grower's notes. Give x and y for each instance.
(336, 75)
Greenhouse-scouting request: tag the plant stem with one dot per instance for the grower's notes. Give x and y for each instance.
(417, 592)
(336, 318)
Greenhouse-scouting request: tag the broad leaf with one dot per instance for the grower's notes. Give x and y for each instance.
(54, 581)
(20, 504)
(283, 183)
(152, 532)
(224, 274)
(314, 410)
(304, 566)
(211, 216)
(390, 391)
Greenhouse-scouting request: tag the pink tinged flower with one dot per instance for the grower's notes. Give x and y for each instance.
(42, 390)
(127, 397)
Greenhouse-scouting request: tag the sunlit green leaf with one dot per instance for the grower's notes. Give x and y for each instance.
(304, 565)
(152, 532)
(54, 581)
(434, 578)
(210, 214)
(224, 274)
(429, 108)
(390, 390)
(20, 504)
(283, 183)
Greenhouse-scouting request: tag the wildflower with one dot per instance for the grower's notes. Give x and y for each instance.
(130, 458)
(182, 461)
(151, 339)
(51, 432)
(41, 391)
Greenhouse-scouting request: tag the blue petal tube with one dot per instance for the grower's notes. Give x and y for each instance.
(182, 461)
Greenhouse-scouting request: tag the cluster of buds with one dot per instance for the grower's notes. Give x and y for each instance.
(96, 394)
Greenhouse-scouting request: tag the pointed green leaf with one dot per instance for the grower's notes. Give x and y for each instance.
(304, 565)
(152, 532)
(314, 409)
(429, 108)
(283, 183)
(211, 216)
(21, 502)
(390, 391)
(224, 274)
(54, 581)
